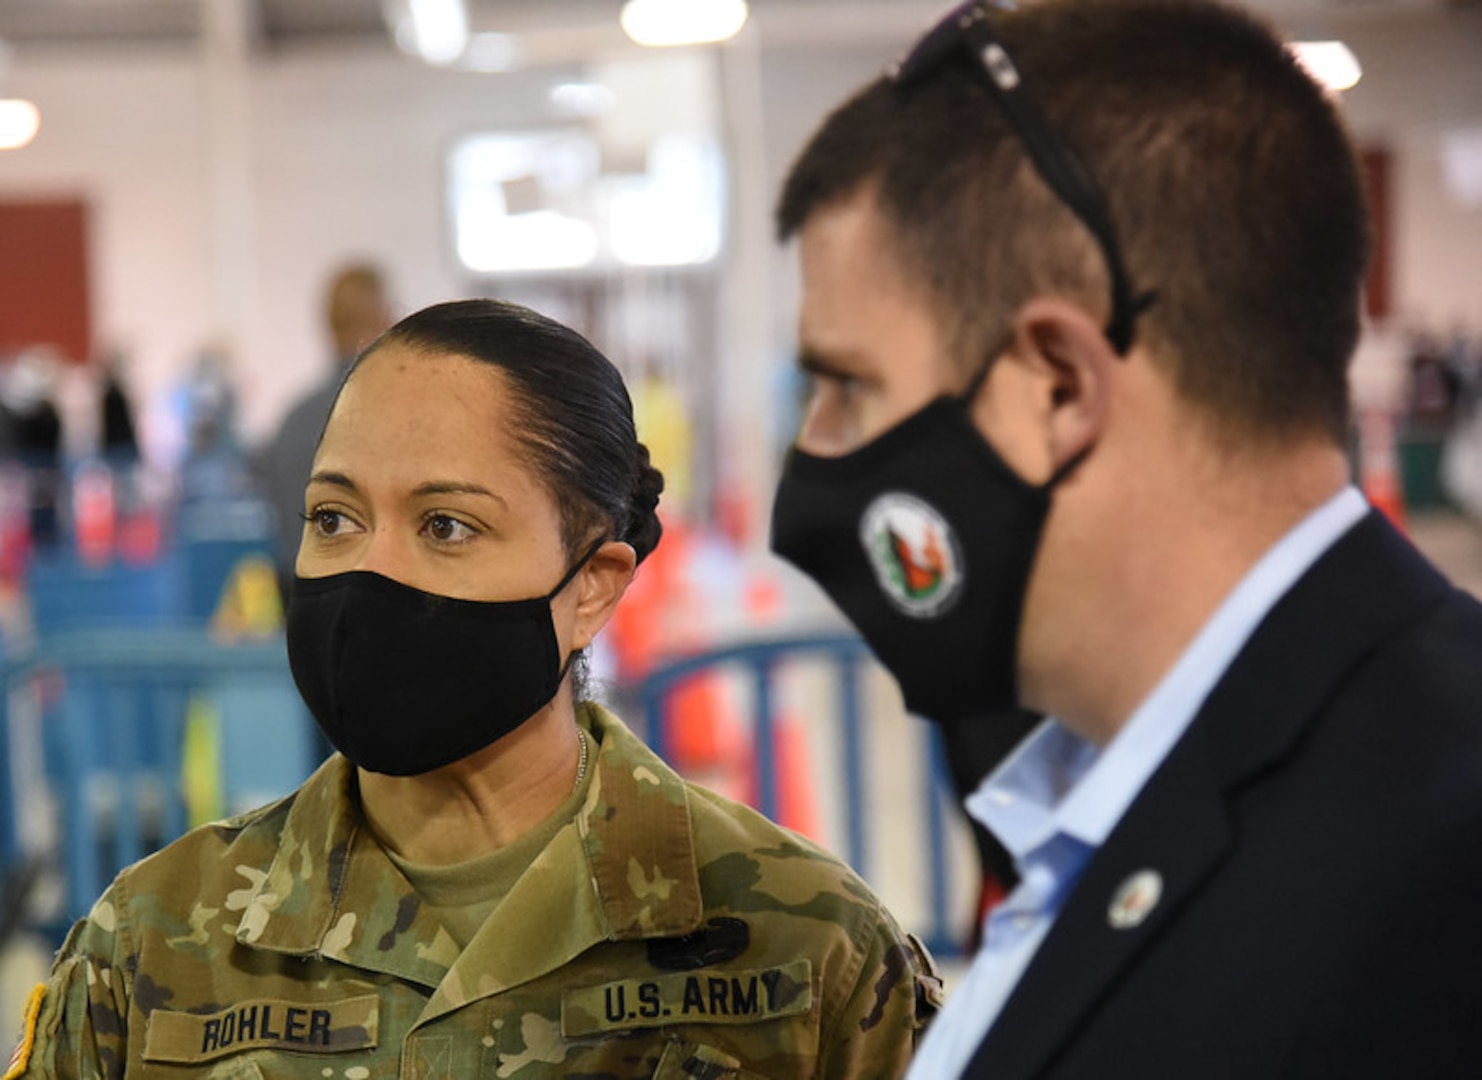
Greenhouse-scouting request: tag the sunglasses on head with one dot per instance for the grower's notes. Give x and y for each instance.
(967, 32)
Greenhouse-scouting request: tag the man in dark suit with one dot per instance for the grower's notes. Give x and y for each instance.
(1080, 287)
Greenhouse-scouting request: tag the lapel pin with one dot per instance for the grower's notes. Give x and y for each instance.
(1134, 900)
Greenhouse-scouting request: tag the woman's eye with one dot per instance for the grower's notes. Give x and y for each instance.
(447, 530)
(328, 522)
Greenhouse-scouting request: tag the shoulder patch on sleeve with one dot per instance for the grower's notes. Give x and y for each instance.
(22, 1056)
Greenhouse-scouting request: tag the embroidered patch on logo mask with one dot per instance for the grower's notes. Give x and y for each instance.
(914, 554)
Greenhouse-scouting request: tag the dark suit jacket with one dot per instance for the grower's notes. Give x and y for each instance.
(1318, 830)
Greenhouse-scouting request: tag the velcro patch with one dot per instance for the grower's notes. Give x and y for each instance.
(307, 1027)
(700, 997)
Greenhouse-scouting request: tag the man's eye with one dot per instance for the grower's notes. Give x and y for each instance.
(848, 389)
(447, 530)
(837, 391)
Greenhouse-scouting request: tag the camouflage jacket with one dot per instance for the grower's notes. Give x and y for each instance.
(664, 932)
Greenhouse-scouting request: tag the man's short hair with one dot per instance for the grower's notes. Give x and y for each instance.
(1230, 179)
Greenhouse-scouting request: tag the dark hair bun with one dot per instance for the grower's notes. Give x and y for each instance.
(644, 528)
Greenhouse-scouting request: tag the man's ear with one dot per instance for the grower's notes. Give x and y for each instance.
(600, 586)
(1077, 365)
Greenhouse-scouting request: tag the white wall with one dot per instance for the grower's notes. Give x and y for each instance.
(349, 150)
(346, 150)
(347, 146)
(122, 131)
(1422, 78)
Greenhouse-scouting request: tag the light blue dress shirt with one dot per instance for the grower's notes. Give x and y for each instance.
(1057, 797)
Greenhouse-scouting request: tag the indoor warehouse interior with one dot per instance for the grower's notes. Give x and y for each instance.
(198, 198)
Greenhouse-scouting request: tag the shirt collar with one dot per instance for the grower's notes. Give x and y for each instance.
(627, 862)
(1055, 782)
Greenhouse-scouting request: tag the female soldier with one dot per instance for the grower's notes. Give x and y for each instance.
(489, 879)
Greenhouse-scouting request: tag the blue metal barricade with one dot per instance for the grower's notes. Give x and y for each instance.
(113, 716)
(10, 846)
(759, 664)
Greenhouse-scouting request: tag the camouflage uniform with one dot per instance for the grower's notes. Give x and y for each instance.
(664, 932)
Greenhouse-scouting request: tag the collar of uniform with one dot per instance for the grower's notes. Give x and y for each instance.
(291, 902)
(626, 868)
(635, 831)
(331, 890)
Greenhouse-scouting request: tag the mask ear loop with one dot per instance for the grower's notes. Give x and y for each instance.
(1069, 467)
(565, 581)
(976, 383)
(980, 376)
(575, 569)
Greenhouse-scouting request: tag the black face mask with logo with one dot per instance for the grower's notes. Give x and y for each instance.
(925, 539)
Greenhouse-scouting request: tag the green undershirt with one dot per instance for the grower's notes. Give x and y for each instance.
(465, 894)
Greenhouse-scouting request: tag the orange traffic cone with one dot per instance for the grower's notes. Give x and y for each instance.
(1379, 465)
(796, 807)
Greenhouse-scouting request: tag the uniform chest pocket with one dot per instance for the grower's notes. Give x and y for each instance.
(683, 1060)
(184, 1038)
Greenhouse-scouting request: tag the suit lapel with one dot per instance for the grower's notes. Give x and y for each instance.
(1178, 826)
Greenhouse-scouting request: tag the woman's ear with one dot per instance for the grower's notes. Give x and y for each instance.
(600, 586)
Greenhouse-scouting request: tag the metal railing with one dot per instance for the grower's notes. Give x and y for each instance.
(760, 665)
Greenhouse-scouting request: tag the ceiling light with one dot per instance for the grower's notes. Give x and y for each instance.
(1331, 63)
(491, 52)
(582, 99)
(1461, 164)
(19, 122)
(435, 30)
(683, 22)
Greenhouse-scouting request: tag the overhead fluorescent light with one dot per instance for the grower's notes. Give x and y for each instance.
(1331, 63)
(435, 30)
(19, 122)
(582, 99)
(683, 22)
(489, 51)
(1461, 165)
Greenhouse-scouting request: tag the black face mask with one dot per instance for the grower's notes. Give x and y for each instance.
(924, 538)
(403, 681)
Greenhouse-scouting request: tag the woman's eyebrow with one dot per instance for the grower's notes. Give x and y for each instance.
(431, 487)
(456, 487)
(333, 479)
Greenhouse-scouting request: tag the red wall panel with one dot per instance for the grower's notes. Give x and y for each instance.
(44, 296)
(1376, 163)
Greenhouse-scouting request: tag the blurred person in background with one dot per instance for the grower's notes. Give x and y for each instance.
(32, 431)
(117, 436)
(1081, 283)
(356, 311)
(494, 877)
